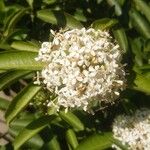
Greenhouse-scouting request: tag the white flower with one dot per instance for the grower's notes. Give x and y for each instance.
(133, 130)
(82, 66)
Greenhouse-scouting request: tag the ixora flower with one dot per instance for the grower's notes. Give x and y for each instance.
(83, 66)
(133, 131)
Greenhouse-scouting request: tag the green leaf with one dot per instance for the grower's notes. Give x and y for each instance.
(21, 122)
(59, 18)
(71, 139)
(25, 46)
(11, 22)
(17, 34)
(49, 1)
(145, 67)
(104, 23)
(142, 83)
(143, 7)
(121, 37)
(2, 5)
(79, 15)
(53, 144)
(114, 3)
(30, 2)
(19, 60)
(10, 77)
(4, 46)
(20, 101)
(136, 46)
(147, 46)
(121, 2)
(17, 125)
(72, 120)
(2, 71)
(3, 103)
(139, 23)
(31, 129)
(96, 142)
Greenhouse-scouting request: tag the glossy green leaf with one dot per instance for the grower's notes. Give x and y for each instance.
(10, 24)
(121, 37)
(53, 144)
(16, 126)
(96, 142)
(32, 129)
(21, 122)
(25, 46)
(71, 138)
(19, 60)
(35, 142)
(114, 3)
(59, 18)
(72, 120)
(104, 23)
(3, 103)
(143, 7)
(20, 101)
(139, 23)
(10, 77)
(142, 83)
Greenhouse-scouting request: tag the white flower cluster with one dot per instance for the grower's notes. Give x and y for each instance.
(82, 66)
(133, 131)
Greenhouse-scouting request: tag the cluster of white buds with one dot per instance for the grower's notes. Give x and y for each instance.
(133, 131)
(82, 66)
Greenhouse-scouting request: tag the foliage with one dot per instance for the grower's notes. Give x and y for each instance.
(24, 25)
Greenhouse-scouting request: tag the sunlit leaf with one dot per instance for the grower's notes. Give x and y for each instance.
(136, 46)
(53, 144)
(96, 142)
(143, 7)
(104, 23)
(19, 60)
(32, 129)
(30, 2)
(79, 15)
(71, 138)
(59, 18)
(121, 37)
(72, 120)
(10, 24)
(20, 101)
(10, 77)
(142, 83)
(25, 46)
(140, 23)
(115, 4)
